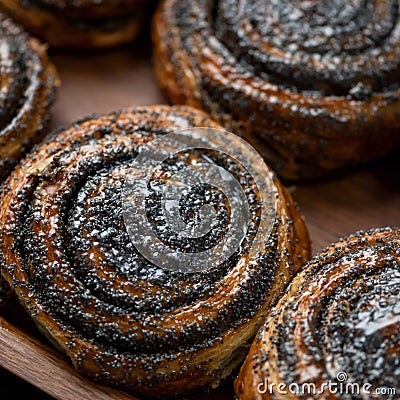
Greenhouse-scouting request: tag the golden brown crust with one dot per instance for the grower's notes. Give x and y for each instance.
(28, 83)
(122, 320)
(337, 322)
(309, 110)
(86, 25)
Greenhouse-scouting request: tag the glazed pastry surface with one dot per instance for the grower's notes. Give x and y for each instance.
(27, 90)
(81, 24)
(338, 322)
(313, 85)
(121, 319)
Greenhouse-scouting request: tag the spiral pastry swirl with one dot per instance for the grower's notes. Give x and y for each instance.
(339, 322)
(83, 24)
(27, 89)
(121, 319)
(313, 85)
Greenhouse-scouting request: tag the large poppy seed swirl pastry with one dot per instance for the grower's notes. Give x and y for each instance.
(335, 334)
(123, 320)
(81, 24)
(27, 90)
(312, 85)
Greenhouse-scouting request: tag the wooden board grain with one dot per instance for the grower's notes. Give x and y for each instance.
(43, 367)
(366, 198)
(101, 82)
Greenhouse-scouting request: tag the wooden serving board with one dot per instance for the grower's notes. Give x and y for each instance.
(102, 82)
